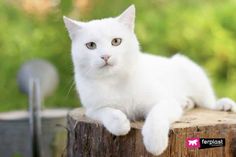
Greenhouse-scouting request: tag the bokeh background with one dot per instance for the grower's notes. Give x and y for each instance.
(204, 30)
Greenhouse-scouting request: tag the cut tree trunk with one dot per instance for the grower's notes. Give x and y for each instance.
(88, 138)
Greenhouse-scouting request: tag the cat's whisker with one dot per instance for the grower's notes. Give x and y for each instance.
(71, 86)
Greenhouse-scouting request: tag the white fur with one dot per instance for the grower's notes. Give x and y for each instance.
(136, 85)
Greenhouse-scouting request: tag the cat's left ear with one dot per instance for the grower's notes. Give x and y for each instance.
(128, 17)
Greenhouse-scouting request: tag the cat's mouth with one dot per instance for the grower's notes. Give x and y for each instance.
(106, 65)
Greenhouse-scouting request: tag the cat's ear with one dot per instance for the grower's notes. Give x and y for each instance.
(72, 26)
(128, 17)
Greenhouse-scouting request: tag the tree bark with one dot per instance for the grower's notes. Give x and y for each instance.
(88, 138)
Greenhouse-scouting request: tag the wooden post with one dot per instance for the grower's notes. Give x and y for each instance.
(35, 117)
(88, 138)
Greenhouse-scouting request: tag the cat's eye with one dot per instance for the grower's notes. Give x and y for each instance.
(116, 41)
(91, 45)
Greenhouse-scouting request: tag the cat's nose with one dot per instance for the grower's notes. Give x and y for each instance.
(105, 57)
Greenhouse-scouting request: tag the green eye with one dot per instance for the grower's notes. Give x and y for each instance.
(91, 45)
(116, 41)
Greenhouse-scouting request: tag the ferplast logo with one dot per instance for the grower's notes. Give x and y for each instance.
(203, 143)
(193, 142)
(212, 142)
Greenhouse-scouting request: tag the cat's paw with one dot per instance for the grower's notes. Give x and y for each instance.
(226, 104)
(187, 104)
(155, 138)
(117, 123)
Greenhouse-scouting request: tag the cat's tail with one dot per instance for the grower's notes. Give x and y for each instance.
(226, 104)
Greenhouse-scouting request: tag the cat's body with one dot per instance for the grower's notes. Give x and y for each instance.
(152, 80)
(118, 83)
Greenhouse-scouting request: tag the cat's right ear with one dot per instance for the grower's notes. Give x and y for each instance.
(72, 26)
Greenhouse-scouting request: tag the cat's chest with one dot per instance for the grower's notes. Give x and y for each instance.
(113, 94)
(126, 96)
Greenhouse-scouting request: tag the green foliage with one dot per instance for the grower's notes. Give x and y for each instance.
(24, 37)
(203, 30)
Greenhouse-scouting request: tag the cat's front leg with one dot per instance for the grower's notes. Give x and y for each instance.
(114, 120)
(156, 127)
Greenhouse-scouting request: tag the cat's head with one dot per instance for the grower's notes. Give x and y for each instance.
(106, 47)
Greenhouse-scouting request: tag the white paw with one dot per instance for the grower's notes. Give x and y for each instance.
(226, 104)
(117, 124)
(155, 138)
(187, 104)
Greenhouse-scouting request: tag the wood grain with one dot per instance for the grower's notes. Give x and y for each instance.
(88, 138)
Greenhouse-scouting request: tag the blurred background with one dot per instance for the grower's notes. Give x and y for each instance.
(204, 30)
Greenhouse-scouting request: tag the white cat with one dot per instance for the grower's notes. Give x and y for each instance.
(118, 83)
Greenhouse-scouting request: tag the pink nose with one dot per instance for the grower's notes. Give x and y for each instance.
(105, 57)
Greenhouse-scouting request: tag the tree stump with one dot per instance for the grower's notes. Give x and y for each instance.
(88, 138)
